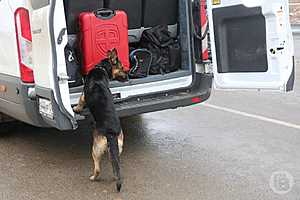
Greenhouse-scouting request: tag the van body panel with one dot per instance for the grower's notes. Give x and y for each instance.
(252, 44)
(59, 28)
(9, 63)
(42, 48)
(49, 41)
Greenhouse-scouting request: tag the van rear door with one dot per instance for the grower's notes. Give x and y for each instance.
(49, 40)
(252, 44)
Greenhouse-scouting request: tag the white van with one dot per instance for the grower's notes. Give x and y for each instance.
(251, 47)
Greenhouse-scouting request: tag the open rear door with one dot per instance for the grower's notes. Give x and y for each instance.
(252, 44)
(49, 38)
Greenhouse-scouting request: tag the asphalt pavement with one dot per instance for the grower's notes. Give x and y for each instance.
(236, 146)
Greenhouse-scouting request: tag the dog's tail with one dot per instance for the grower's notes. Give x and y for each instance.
(115, 158)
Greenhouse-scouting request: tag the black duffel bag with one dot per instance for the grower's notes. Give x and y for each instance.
(166, 56)
(73, 67)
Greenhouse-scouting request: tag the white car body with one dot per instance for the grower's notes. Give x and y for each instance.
(48, 101)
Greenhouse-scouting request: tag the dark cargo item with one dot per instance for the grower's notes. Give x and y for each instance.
(141, 60)
(133, 8)
(165, 50)
(158, 12)
(73, 67)
(74, 8)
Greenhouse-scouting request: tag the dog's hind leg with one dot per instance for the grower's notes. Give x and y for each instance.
(115, 158)
(121, 142)
(98, 149)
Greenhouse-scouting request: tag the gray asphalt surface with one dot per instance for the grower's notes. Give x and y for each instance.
(193, 153)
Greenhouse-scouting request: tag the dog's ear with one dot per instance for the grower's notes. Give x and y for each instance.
(115, 52)
(109, 54)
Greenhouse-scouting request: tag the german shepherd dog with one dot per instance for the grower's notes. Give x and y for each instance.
(107, 135)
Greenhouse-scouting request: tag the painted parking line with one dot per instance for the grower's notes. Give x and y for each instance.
(257, 117)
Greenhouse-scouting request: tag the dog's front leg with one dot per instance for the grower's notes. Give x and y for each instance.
(98, 149)
(81, 104)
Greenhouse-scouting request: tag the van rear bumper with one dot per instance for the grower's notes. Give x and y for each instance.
(201, 89)
(14, 101)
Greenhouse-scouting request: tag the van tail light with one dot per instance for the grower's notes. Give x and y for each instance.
(196, 100)
(24, 43)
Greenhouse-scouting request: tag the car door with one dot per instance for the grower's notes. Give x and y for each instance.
(252, 44)
(49, 40)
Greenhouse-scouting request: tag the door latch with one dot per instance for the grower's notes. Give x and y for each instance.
(62, 78)
(61, 35)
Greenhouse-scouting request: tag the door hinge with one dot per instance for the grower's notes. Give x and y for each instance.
(204, 68)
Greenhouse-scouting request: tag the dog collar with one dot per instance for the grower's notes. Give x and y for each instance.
(103, 69)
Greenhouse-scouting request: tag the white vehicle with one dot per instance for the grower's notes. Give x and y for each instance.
(251, 47)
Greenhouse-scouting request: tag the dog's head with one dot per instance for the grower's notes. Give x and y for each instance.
(117, 67)
(119, 75)
(112, 56)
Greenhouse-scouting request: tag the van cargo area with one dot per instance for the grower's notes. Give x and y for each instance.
(142, 15)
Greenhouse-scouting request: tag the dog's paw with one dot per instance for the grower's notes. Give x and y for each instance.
(115, 178)
(77, 109)
(93, 178)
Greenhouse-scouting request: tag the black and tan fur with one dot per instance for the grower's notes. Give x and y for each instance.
(108, 135)
(117, 67)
